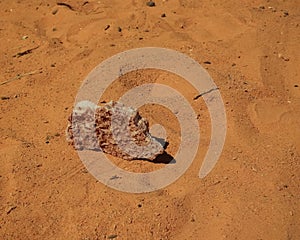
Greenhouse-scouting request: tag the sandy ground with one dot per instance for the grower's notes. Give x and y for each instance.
(254, 190)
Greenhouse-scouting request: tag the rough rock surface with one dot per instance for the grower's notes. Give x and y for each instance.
(113, 128)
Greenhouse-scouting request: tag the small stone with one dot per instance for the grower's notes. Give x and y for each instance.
(285, 13)
(107, 27)
(150, 4)
(163, 15)
(5, 98)
(113, 236)
(119, 29)
(55, 11)
(273, 9)
(207, 62)
(296, 85)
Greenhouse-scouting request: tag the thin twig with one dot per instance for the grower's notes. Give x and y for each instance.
(20, 54)
(19, 76)
(66, 5)
(209, 91)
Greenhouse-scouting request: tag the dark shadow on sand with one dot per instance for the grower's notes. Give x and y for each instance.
(164, 158)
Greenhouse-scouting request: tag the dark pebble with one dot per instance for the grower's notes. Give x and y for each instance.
(163, 15)
(5, 98)
(107, 27)
(296, 85)
(151, 4)
(207, 62)
(119, 29)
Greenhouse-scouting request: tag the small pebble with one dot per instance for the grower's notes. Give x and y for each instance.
(54, 11)
(207, 62)
(5, 98)
(163, 15)
(107, 27)
(296, 85)
(112, 236)
(119, 29)
(150, 4)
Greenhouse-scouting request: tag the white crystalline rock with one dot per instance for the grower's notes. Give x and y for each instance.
(113, 128)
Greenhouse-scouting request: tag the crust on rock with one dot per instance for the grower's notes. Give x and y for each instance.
(113, 128)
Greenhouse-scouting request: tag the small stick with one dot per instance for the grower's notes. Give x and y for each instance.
(20, 54)
(66, 5)
(20, 76)
(209, 91)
